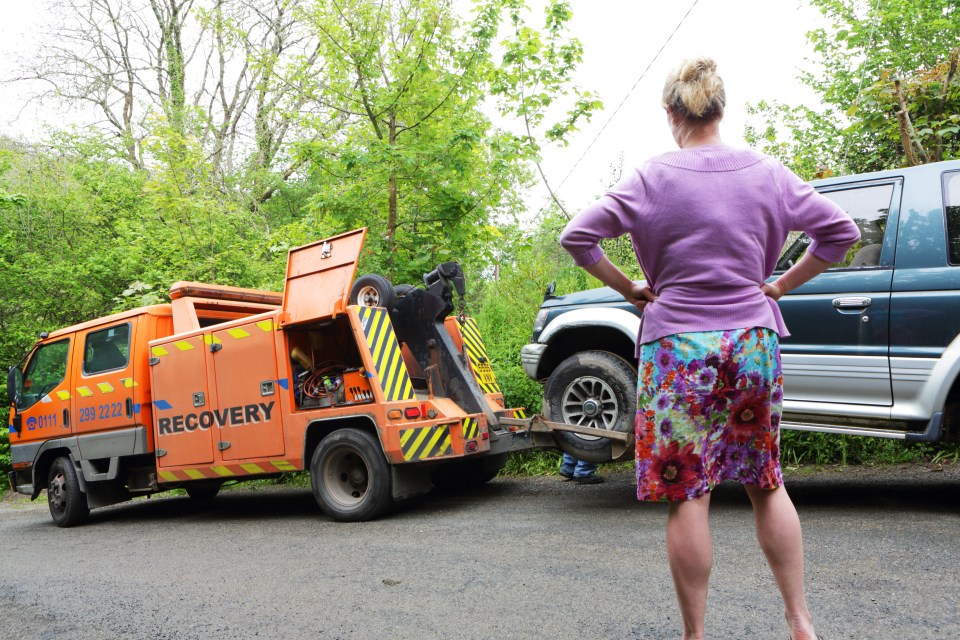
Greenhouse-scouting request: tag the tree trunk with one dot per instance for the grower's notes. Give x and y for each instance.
(392, 197)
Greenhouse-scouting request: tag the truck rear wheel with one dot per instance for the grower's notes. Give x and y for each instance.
(350, 476)
(202, 490)
(469, 473)
(591, 389)
(68, 504)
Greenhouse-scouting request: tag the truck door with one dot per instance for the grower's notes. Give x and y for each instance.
(248, 407)
(181, 415)
(103, 387)
(44, 404)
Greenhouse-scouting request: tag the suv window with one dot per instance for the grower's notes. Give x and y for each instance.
(46, 369)
(869, 207)
(951, 206)
(106, 350)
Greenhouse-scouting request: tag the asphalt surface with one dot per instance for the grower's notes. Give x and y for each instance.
(519, 558)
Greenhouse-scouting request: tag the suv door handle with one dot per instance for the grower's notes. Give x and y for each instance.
(852, 303)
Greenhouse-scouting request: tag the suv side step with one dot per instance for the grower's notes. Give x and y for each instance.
(932, 432)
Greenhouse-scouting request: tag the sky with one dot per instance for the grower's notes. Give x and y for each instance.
(759, 46)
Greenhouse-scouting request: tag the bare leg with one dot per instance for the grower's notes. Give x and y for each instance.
(778, 530)
(690, 551)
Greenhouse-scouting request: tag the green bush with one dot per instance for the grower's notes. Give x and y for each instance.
(804, 447)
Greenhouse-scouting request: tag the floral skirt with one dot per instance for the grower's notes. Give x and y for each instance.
(708, 410)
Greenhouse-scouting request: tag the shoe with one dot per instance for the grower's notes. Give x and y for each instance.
(566, 476)
(594, 479)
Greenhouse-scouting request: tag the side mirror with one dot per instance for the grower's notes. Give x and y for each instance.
(14, 385)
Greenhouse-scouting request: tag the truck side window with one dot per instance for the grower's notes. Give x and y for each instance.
(869, 207)
(951, 207)
(46, 369)
(106, 350)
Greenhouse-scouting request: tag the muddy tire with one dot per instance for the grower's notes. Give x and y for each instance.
(372, 290)
(591, 389)
(350, 476)
(68, 504)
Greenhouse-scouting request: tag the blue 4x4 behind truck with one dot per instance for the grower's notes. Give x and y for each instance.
(875, 341)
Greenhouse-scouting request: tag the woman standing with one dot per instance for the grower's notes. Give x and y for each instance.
(707, 224)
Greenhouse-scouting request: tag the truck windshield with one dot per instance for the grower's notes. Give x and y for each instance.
(44, 372)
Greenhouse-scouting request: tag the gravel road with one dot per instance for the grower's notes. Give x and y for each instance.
(520, 558)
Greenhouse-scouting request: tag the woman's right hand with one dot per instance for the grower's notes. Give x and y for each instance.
(640, 296)
(771, 290)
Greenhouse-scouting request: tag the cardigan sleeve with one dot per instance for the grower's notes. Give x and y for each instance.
(829, 227)
(609, 217)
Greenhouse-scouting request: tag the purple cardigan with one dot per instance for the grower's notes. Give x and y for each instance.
(707, 226)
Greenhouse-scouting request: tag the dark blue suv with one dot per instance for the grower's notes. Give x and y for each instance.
(874, 348)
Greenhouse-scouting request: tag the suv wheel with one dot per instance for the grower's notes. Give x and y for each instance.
(591, 389)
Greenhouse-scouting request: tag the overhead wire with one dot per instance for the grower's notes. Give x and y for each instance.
(622, 102)
(863, 69)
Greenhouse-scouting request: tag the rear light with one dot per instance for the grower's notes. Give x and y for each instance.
(411, 413)
(471, 445)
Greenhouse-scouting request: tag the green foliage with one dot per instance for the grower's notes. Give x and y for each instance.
(508, 298)
(414, 159)
(802, 447)
(869, 57)
(535, 72)
(537, 462)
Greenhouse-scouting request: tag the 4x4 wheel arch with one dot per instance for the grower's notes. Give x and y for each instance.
(592, 388)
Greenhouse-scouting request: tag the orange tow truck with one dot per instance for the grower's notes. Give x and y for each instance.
(379, 400)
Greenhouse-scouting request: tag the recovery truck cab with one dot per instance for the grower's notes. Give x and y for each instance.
(379, 403)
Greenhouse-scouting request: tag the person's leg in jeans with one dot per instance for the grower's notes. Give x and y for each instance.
(778, 531)
(567, 466)
(584, 469)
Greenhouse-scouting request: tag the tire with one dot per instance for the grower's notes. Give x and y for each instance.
(372, 290)
(202, 490)
(68, 504)
(468, 474)
(591, 389)
(403, 289)
(350, 476)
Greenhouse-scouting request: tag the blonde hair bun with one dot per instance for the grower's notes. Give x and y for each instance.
(695, 90)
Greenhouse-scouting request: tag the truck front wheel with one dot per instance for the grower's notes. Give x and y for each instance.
(350, 476)
(591, 389)
(68, 504)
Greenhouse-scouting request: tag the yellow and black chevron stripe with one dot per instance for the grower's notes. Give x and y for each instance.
(425, 442)
(227, 471)
(471, 428)
(519, 413)
(477, 354)
(387, 361)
